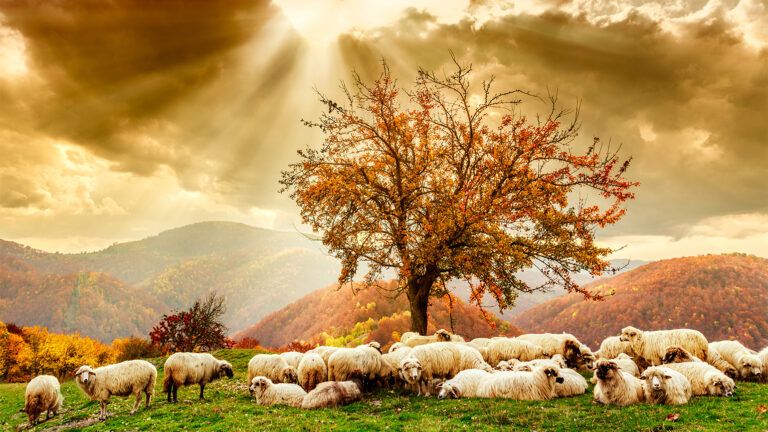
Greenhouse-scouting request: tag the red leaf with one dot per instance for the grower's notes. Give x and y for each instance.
(762, 409)
(673, 417)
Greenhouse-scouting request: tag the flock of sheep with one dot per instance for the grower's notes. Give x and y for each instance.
(659, 367)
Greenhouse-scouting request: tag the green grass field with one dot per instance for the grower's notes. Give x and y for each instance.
(228, 408)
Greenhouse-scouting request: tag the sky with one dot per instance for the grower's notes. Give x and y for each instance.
(121, 119)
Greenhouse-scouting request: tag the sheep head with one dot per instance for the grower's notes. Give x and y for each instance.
(750, 366)
(655, 380)
(410, 369)
(259, 385)
(606, 369)
(553, 372)
(290, 375)
(225, 368)
(446, 390)
(718, 386)
(375, 345)
(676, 354)
(630, 334)
(32, 408)
(85, 375)
(503, 366)
(443, 335)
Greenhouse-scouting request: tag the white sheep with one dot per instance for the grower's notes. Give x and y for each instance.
(332, 394)
(665, 386)
(705, 379)
(272, 366)
(573, 383)
(746, 361)
(625, 363)
(678, 354)
(312, 371)
(504, 365)
(507, 348)
(464, 384)
(390, 366)
(417, 340)
(763, 356)
(480, 342)
(293, 358)
(43, 393)
(132, 377)
(427, 362)
(396, 346)
(615, 386)
(564, 344)
(362, 362)
(184, 369)
(538, 384)
(651, 346)
(407, 335)
(611, 347)
(471, 358)
(269, 393)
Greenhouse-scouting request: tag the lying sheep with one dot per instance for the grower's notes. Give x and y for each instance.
(472, 359)
(678, 354)
(43, 393)
(746, 361)
(293, 358)
(464, 384)
(417, 340)
(132, 377)
(615, 386)
(705, 379)
(506, 349)
(651, 346)
(573, 383)
(269, 393)
(183, 369)
(312, 371)
(665, 386)
(332, 394)
(426, 362)
(564, 344)
(625, 363)
(362, 362)
(272, 366)
(504, 366)
(538, 384)
(611, 347)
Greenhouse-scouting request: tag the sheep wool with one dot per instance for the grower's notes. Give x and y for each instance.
(746, 361)
(332, 394)
(269, 393)
(464, 384)
(272, 366)
(132, 377)
(705, 379)
(362, 362)
(43, 394)
(509, 348)
(538, 384)
(184, 369)
(417, 340)
(312, 371)
(651, 346)
(611, 347)
(665, 386)
(615, 386)
(564, 344)
(292, 358)
(471, 358)
(427, 362)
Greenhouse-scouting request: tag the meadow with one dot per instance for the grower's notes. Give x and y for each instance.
(228, 408)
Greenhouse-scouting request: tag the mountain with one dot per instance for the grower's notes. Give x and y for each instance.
(364, 315)
(257, 270)
(723, 296)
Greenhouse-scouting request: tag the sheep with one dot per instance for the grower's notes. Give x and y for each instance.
(312, 371)
(324, 351)
(464, 384)
(390, 365)
(506, 349)
(362, 362)
(472, 359)
(627, 364)
(407, 335)
(611, 347)
(503, 366)
(615, 386)
(183, 369)
(292, 358)
(269, 393)
(481, 342)
(396, 346)
(131, 377)
(564, 344)
(763, 356)
(416, 340)
(538, 384)
(746, 361)
(272, 366)
(573, 384)
(663, 385)
(426, 362)
(43, 393)
(705, 379)
(332, 394)
(678, 354)
(715, 359)
(651, 346)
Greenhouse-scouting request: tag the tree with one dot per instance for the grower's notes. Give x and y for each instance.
(197, 329)
(457, 184)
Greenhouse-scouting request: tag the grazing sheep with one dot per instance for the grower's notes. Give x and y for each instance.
(615, 386)
(651, 346)
(564, 344)
(746, 361)
(416, 340)
(292, 358)
(332, 394)
(390, 365)
(464, 384)
(312, 371)
(183, 369)
(272, 366)
(472, 359)
(324, 352)
(705, 379)
(506, 349)
(269, 393)
(132, 377)
(665, 386)
(611, 347)
(396, 346)
(538, 384)
(43, 393)
(426, 362)
(362, 362)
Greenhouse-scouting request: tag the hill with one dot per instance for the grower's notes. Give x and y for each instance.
(369, 314)
(723, 296)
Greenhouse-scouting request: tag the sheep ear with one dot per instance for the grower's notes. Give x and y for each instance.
(667, 377)
(643, 377)
(456, 392)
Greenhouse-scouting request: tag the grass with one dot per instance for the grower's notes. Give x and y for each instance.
(228, 408)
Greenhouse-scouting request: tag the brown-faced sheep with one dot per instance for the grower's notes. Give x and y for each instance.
(564, 344)
(665, 386)
(615, 386)
(506, 349)
(651, 346)
(184, 369)
(362, 362)
(426, 362)
(705, 379)
(625, 363)
(272, 366)
(746, 361)
(611, 347)
(312, 371)
(43, 394)
(332, 394)
(538, 384)
(417, 340)
(292, 358)
(132, 377)
(464, 384)
(678, 354)
(269, 393)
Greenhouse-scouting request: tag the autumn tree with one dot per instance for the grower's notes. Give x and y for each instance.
(449, 181)
(197, 329)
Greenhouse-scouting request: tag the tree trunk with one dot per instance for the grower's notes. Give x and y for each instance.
(418, 298)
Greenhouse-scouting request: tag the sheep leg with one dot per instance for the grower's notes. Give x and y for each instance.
(170, 390)
(137, 402)
(149, 398)
(202, 387)
(175, 393)
(103, 411)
